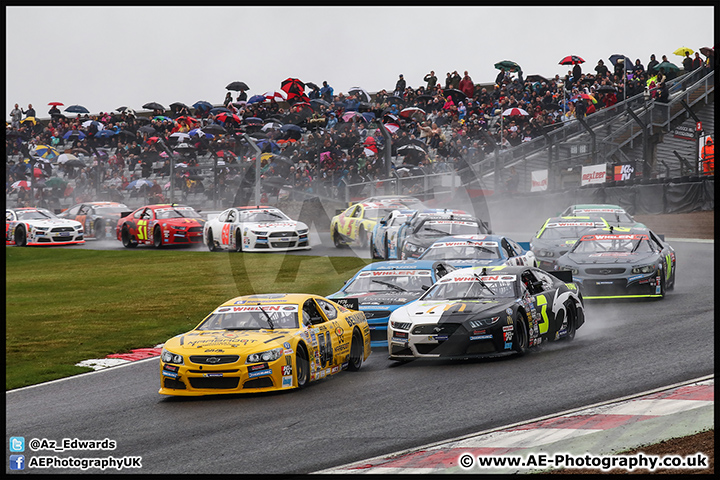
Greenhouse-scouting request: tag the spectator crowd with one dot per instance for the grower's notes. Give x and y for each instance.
(311, 137)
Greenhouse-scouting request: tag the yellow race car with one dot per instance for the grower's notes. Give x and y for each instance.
(259, 343)
(356, 223)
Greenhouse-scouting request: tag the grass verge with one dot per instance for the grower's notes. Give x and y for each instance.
(64, 306)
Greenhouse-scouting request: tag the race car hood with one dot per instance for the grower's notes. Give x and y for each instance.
(275, 226)
(455, 311)
(605, 258)
(196, 342)
(554, 245)
(50, 222)
(384, 298)
(181, 222)
(476, 263)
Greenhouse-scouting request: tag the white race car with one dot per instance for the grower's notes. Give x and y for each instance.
(38, 226)
(255, 229)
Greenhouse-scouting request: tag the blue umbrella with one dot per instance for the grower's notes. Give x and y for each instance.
(202, 105)
(254, 120)
(104, 134)
(77, 109)
(74, 133)
(256, 99)
(198, 132)
(217, 110)
(139, 183)
(290, 127)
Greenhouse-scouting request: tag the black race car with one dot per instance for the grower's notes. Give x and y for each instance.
(607, 263)
(557, 236)
(486, 311)
(424, 228)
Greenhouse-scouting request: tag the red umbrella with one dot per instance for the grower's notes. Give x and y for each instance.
(277, 96)
(571, 60)
(293, 87)
(56, 103)
(20, 184)
(224, 117)
(410, 111)
(152, 140)
(514, 112)
(187, 119)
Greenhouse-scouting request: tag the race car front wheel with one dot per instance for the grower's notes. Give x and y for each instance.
(520, 337)
(126, 240)
(571, 312)
(362, 238)
(20, 236)
(210, 241)
(157, 237)
(336, 239)
(356, 352)
(302, 366)
(238, 240)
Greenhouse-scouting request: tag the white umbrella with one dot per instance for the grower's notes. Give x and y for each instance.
(180, 137)
(99, 125)
(64, 157)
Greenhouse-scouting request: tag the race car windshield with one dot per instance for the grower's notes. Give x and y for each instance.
(614, 245)
(264, 216)
(375, 213)
(110, 210)
(390, 283)
(183, 212)
(434, 229)
(35, 215)
(472, 289)
(465, 252)
(557, 233)
(256, 320)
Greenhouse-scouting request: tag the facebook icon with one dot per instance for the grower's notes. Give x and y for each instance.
(17, 462)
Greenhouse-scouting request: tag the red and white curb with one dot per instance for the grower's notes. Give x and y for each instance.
(116, 359)
(615, 418)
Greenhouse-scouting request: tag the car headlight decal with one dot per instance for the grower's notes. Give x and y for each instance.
(644, 269)
(266, 356)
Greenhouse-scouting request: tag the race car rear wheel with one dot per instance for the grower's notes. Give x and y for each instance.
(157, 237)
(336, 239)
(356, 352)
(20, 236)
(520, 337)
(99, 229)
(386, 252)
(362, 238)
(302, 366)
(662, 284)
(126, 240)
(571, 310)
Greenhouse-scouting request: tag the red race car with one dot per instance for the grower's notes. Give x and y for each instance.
(160, 225)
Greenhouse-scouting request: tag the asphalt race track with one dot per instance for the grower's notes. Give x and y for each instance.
(624, 348)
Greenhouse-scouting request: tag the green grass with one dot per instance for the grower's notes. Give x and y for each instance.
(64, 306)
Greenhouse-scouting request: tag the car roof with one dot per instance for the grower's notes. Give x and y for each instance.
(619, 233)
(270, 298)
(493, 270)
(401, 265)
(255, 207)
(470, 238)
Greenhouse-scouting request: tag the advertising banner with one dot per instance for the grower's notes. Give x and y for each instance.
(539, 180)
(592, 174)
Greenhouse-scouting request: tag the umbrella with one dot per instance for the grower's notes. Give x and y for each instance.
(410, 111)
(588, 97)
(680, 52)
(214, 128)
(64, 157)
(290, 128)
(617, 57)
(707, 51)
(149, 129)
(46, 151)
(224, 117)
(410, 148)
(57, 104)
(126, 110)
(455, 94)
(392, 127)
(180, 137)
(55, 182)
(237, 86)
(390, 99)
(508, 66)
(217, 110)
(606, 89)
(319, 101)
(139, 183)
(153, 106)
(536, 78)
(77, 109)
(511, 112)
(293, 87)
(254, 121)
(348, 116)
(104, 134)
(202, 105)
(178, 106)
(162, 118)
(184, 147)
(94, 123)
(364, 96)
(75, 163)
(271, 126)
(187, 119)
(256, 99)
(199, 132)
(667, 67)
(30, 119)
(275, 95)
(75, 134)
(20, 184)
(312, 85)
(571, 60)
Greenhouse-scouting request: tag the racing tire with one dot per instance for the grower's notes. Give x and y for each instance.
(357, 347)
(126, 240)
(386, 253)
(99, 230)
(373, 253)
(302, 367)
(571, 310)
(521, 336)
(157, 237)
(210, 241)
(671, 284)
(238, 241)
(336, 239)
(662, 284)
(20, 236)
(362, 238)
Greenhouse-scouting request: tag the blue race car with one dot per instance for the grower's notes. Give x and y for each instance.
(381, 287)
(462, 251)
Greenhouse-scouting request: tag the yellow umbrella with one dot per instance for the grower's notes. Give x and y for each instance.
(680, 52)
(30, 119)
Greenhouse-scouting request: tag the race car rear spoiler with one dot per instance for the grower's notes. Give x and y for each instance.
(125, 214)
(564, 275)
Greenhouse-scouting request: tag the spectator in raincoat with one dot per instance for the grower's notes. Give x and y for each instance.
(467, 86)
(708, 157)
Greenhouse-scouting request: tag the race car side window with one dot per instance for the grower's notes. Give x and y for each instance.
(356, 212)
(9, 216)
(310, 312)
(73, 211)
(139, 214)
(223, 217)
(329, 310)
(545, 279)
(85, 210)
(508, 249)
